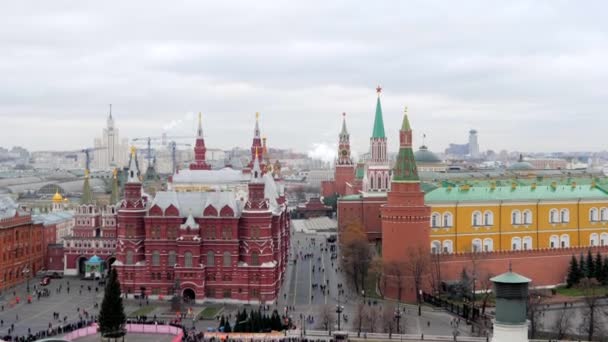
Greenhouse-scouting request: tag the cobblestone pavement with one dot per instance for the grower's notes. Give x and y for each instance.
(297, 292)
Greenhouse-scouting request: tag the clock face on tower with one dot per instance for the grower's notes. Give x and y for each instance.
(344, 153)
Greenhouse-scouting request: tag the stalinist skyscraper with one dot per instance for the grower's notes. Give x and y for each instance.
(113, 150)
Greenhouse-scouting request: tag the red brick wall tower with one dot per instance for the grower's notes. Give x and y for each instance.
(131, 229)
(199, 149)
(405, 219)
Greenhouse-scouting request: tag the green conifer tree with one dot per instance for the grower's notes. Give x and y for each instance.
(582, 266)
(599, 268)
(112, 314)
(227, 327)
(573, 273)
(590, 271)
(222, 323)
(605, 271)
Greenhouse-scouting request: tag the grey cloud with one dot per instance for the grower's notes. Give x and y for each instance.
(506, 68)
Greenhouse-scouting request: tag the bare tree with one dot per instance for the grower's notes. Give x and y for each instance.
(360, 317)
(388, 319)
(535, 312)
(377, 268)
(356, 255)
(591, 324)
(372, 319)
(435, 266)
(396, 272)
(416, 266)
(562, 324)
(327, 317)
(486, 286)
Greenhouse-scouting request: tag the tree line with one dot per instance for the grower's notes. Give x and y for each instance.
(588, 267)
(252, 321)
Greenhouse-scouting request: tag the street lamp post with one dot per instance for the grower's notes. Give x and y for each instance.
(339, 309)
(397, 318)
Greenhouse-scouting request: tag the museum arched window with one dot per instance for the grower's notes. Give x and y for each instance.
(227, 259)
(156, 258)
(188, 259)
(171, 259)
(210, 258)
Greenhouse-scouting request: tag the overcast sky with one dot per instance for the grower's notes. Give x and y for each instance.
(528, 75)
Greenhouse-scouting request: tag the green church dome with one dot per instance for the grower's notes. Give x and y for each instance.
(521, 165)
(423, 155)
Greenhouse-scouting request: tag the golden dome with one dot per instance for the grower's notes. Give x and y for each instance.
(57, 198)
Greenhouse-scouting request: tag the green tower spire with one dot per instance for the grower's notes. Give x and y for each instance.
(405, 168)
(114, 196)
(87, 195)
(378, 121)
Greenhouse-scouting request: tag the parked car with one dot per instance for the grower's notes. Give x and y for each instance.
(45, 281)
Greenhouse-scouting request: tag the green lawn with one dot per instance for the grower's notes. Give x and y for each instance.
(143, 311)
(209, 312)
(579, 292)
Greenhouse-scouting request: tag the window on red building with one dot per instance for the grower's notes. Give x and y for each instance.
(171, 259)
(171, 233)
(156, 258)
(188, 259)
(255, 259)
(227, 259)
(210, 258)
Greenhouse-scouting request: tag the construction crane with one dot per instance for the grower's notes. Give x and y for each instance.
(87, 152)
(173, 153)
(163, 141)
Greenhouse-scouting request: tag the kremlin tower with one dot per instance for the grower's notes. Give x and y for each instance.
(378, 170)
(405, 221)
(199, 149)
(345, 170)
(257, 149)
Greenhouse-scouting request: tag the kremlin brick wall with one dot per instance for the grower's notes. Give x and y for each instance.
(546, 267)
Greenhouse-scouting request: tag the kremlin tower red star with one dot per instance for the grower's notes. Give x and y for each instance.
(405, 222)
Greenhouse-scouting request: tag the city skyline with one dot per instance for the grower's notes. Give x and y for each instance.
(523, 74)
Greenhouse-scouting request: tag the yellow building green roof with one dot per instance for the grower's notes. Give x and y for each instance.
(518, 193)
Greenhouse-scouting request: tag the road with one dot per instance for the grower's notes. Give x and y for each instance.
(310, 302)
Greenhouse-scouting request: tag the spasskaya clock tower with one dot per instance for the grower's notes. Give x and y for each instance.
(345, 171)
(344, 145)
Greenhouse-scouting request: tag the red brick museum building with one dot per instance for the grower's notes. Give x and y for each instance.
(218, 235)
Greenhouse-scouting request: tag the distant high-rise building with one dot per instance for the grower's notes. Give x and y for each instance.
(112, 150)
(473, 145)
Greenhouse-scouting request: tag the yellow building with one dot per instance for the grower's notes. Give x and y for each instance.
(493, 218)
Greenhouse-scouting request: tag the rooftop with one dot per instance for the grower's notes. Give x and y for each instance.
(510, 278)
(222, 176)
(467, 193)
